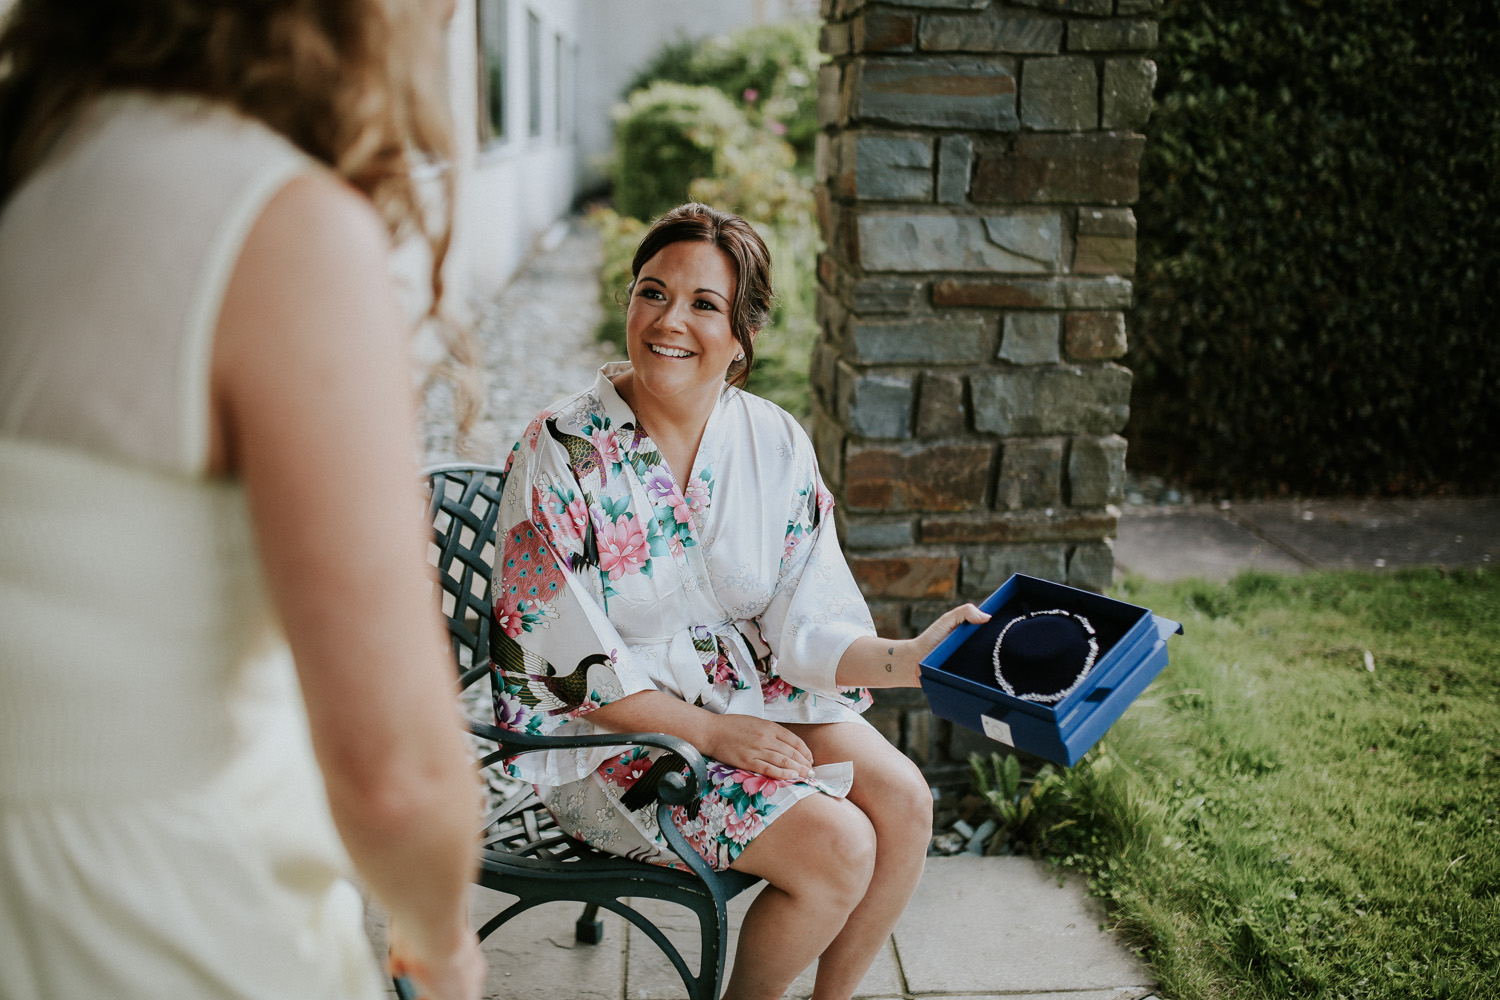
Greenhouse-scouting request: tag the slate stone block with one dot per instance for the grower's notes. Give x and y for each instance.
(1066, 400)
(833, 39)
(1060, 525)
(884, 31)
(954, 340)
(942, 410)
(1104, 255)
(1137, 6)
(1031, 338)
(893, 167)
(953, 92)
(1030, 293)
(830, 81)
(1060, 167)
(1106, 222)
(1099, 7)
(1018, 242)
(1023, 293)
(1111, 292)
(1059, 95)
(876, 405)
(1092, 566)
(825, 157)
(992, 32)
(1031, 473)
(906, 576)
(1096, 471)
(984, 570)
(1095, 336)
(872, 296)
(882, 533)
(824, 373)
(1115, 35)
(828, 442)
(955, 158)
(1128, 85)
(948, 4)
(930, 475)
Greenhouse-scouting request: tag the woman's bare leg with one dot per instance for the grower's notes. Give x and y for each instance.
(891, 792)
(818, 857)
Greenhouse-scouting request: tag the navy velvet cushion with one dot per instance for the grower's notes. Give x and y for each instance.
(1042, 656)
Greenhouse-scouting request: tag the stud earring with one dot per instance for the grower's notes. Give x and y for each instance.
(740, 356)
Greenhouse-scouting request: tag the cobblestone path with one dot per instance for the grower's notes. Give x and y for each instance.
(538, 344)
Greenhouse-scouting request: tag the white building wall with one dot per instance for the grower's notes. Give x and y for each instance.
(511, 191)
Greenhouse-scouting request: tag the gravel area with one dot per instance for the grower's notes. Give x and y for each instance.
(538, 345)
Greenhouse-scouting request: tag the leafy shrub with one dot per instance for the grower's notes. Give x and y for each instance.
(772, 69)
(666, 135)
(1319, 276)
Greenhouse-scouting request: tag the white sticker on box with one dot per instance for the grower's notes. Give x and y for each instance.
(996, 730)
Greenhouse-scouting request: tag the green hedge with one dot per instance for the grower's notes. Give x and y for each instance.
(1318, 304)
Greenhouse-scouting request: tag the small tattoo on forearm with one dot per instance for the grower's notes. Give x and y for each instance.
(889, 652)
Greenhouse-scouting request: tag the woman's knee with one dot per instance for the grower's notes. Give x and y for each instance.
(821, 844)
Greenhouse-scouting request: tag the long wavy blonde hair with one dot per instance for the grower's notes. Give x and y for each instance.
(356, 84)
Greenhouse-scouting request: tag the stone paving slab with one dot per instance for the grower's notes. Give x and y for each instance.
(1374, 534)
(651, 977)
(1201, 540)
(1005, 926)
(1216, 541)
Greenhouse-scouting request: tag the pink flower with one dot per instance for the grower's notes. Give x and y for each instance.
(777, 128)
(759, 784)
(776, 689)
(674, 546)
(742, 829)
(508, 613)
(751, 95)
(696, 495)
(609, 448)
(680, 509)
(577, 512)
(622, 547)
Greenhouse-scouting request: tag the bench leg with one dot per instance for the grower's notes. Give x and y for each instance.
(589, 929)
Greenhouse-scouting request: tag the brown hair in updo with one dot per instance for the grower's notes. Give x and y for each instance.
(751, 308)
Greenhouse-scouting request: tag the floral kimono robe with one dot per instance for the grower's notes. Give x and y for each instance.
(728, 591)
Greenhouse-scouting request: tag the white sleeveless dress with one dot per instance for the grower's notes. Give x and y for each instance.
(164, 830)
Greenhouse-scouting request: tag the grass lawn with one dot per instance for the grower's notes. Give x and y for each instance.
(1304, 804)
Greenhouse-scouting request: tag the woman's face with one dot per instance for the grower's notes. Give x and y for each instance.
(677, 329)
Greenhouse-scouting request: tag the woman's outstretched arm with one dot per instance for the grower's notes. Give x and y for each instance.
(314, 409)
(871, 661)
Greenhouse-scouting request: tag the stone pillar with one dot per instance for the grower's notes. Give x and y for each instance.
(975, 174)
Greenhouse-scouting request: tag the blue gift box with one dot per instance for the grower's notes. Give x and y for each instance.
(959, 680)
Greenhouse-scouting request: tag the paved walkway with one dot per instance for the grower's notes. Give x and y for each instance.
(979, 927)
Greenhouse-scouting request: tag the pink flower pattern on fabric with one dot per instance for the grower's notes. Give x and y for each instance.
(622, 546)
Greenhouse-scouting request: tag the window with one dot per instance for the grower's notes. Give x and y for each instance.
(557, 86)
(493, 17)
(534, 72)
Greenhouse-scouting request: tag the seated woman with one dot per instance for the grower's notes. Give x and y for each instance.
(670, 564)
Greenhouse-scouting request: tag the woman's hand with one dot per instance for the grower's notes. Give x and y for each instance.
(758, 745)
(938, 630)
(884, 663)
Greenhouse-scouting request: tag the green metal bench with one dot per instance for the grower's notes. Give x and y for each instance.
(523, 853)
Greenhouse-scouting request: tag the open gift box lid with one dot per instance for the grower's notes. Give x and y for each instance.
(1057, 718)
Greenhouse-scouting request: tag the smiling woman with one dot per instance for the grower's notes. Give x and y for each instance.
(703, 594)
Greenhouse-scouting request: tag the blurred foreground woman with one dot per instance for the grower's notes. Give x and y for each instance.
(206, 424)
